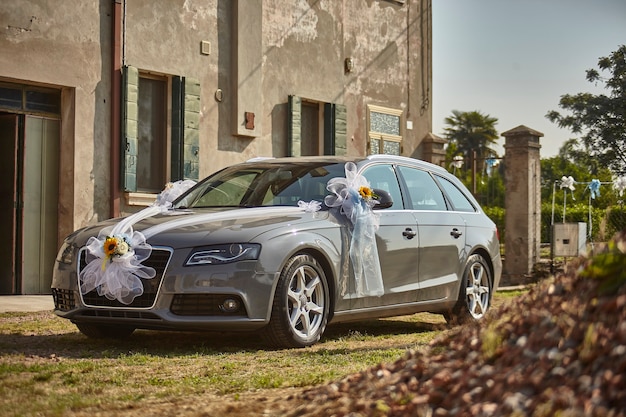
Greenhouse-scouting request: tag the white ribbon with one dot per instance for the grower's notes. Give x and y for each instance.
(568, 182)
(115, 257)
(354, 198)
(310, 207)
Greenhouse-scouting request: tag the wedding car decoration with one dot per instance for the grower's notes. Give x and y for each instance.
(594, 188)
(310, 207)
(115, 257)
(355, 200)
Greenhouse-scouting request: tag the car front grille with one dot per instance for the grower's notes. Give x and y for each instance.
(204, 305)
(159, 259)
(63, 299)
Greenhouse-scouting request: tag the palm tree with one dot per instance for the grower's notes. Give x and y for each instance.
(472, 131)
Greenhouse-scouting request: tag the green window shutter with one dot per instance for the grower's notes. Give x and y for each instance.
(130, 98)
(335, 129)
(294, 128)
(341, 129)
(178, 105)
(191, 129)
(185, 138)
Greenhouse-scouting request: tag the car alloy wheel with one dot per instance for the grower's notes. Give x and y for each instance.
(475, 292)
(300, 309)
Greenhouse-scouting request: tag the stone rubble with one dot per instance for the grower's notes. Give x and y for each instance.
(559, 349)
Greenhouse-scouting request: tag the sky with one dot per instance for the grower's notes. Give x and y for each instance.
(514, 59)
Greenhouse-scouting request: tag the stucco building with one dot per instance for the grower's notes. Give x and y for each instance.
(104, 101)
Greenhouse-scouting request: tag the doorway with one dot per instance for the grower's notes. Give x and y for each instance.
(29, 166)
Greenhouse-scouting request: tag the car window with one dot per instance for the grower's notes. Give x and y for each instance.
(228, 192)
(263, 185)
(424, 194)
(459, 200)
(384, 177)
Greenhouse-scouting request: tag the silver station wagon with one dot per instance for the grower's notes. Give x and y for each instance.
(283, 247)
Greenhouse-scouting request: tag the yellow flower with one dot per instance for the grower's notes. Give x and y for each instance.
(110, 246)
(366, 193)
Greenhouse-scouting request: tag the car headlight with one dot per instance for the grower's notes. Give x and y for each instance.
(66, 253)
(224, 254)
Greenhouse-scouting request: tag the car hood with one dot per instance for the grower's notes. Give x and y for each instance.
(185, 228)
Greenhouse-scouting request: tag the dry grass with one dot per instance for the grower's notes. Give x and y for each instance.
(48, 368)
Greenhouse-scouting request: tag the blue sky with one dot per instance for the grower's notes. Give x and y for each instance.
(513, 59)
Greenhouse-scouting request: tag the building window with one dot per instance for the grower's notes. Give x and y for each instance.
(156, 148)
(30, 99)
(311, 142)
(315, 128)
(384, 130)
(152, 139)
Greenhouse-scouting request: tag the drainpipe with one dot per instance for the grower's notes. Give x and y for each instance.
(116, 87)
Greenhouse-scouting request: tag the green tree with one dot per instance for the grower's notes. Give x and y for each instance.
(469, 132)
(472, 131)
(600, 119)
(574, 162)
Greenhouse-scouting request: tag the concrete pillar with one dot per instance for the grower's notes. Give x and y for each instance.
(522, 201)
(433, 149)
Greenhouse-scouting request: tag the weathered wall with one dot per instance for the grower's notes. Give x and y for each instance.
(306, 44)
(261, 52)
(66, 44)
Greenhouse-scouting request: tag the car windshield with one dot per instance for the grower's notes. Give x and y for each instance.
(263, 184)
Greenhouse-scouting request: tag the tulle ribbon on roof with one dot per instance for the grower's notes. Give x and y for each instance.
(568, 182)
(115, 257)
(594, 188)
(354, 198)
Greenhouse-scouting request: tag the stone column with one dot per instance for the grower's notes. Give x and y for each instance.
(433, 149)
(522, 201)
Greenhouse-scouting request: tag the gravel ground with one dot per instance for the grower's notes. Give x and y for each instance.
(559, 350)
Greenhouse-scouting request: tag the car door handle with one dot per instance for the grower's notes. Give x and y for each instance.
(409, 233)
(455, 233)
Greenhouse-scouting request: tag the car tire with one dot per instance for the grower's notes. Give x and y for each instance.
(475, 292)
(102, 331)
(301, 304)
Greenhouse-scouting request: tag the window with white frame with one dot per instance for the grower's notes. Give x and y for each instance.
(384, 126)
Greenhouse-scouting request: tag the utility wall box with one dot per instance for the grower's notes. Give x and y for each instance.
(569, 239)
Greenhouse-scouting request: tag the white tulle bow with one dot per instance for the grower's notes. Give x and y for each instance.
(115, 257)
(355, 199)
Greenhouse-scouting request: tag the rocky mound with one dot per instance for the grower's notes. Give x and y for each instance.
(558, 350)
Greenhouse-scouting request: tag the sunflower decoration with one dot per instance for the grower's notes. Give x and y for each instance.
(114, 246)
(367, 194)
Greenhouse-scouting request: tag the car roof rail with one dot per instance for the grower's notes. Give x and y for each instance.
(260, 158)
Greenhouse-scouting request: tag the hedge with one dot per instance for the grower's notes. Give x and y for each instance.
(604, 222)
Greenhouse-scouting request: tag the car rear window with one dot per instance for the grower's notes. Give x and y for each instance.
(459, 200)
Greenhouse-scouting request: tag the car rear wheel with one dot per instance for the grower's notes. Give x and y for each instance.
(104, 331)
(301, 303)
(474, 294)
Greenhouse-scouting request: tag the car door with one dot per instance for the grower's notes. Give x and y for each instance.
(441, 232)
(397, 243)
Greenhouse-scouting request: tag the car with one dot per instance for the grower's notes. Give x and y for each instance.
(283, 247)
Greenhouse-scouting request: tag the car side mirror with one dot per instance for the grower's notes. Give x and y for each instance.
(384, 199)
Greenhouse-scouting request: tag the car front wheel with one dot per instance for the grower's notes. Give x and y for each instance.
(475, 292)
(301, 303)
